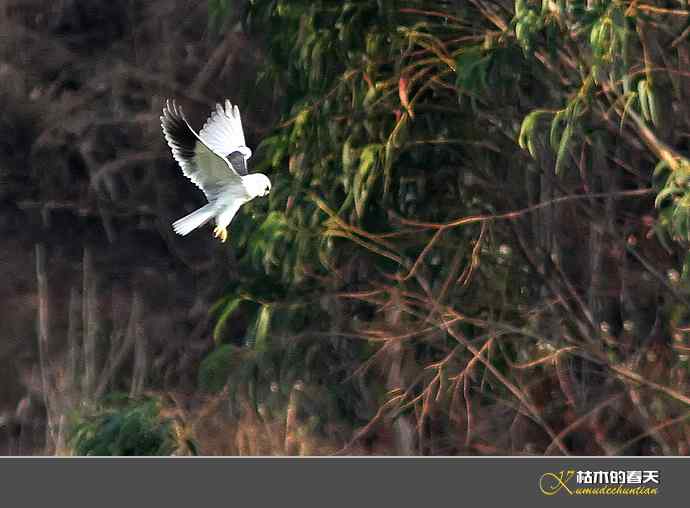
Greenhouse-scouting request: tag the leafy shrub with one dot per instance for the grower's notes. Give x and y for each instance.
(126, 428)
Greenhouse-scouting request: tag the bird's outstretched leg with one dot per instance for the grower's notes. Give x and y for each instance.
(221, 233)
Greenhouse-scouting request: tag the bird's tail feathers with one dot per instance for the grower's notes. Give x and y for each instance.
(196, 219)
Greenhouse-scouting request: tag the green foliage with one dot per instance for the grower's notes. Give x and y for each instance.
(350, 142)
(401, 146)
(379, 106)
(528, 22)
(612, 32)
(123, 428)
(473, 67)
(674, 198)
(217, 367)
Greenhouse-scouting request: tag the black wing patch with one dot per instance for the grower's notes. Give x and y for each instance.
(238, 163)
(178, 133)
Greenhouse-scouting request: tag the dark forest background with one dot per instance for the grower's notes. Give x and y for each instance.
(476, 242)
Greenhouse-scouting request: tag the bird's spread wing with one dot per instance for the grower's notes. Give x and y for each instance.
(201, 163)
(223, 131)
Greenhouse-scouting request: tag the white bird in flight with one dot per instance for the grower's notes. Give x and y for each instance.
(215, 160)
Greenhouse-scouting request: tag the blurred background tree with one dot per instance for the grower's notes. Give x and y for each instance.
(478, 223)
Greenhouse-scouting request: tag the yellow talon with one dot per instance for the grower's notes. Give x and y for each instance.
(221, 233)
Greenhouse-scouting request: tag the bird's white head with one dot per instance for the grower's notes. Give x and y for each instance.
(257, 184)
